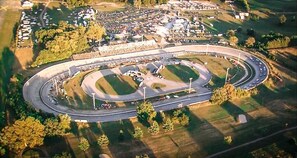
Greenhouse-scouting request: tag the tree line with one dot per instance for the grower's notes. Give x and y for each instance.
(139, 3)
(147, 115)
(136, 3)
(62, 41)
(228, 92)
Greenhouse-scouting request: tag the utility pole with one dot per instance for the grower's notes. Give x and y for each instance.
(238, 58)
(226, 75)
(190, 86)
(56, 86)
(144, 94)
(94, 103)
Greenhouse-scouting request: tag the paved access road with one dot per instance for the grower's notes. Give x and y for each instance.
(36, 89)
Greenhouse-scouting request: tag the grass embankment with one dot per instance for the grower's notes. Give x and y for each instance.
(218, 68)
(116, 84)
(179, 73)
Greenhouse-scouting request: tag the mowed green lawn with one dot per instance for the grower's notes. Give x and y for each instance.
(179, 73)
(59, 15)
(204, 136)
(117, 85)
(274, 5)
(218, 67)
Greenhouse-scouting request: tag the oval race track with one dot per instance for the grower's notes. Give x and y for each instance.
(36, 89)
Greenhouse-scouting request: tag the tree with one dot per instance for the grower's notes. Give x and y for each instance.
(230, 33)
(244, 4)
(146, 2)
(154, 129)
(228, 139)
(282, 19)
(84, 144)
(24, 133)
(168, 125)
(95, 31)
(63, 155)
(64, 40)
(2, 151)
(250, 32)
(227, 92)
(250, 42)
(65, 121)
(233, 40)
(52, 127)
(137, 3)
(146, 111)
(184, 120)
(77, 3)
(162, 116)
(153, 2)
(239, 29)
(57, 127)
(138, 134)
(103, 141)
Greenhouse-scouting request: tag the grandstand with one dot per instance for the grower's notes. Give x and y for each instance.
(117, 49)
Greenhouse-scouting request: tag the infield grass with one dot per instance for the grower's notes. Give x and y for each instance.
(116, 84)
(179, 73)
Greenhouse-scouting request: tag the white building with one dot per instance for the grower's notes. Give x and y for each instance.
(27, 4)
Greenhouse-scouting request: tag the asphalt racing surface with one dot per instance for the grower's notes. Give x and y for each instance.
(36, 89)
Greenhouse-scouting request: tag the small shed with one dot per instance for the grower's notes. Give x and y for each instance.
(242, 118)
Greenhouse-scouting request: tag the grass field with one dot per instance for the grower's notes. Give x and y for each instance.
(274, 5)
(179, 73)
(286, 57)
(59, 15)
(109, 6)
(218, 67)
(203, 136)
(24, 56)
(7, 59)
(226, 22)
(116, 85)
(77, 97)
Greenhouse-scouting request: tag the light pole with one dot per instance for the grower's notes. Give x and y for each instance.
(238, 58)
(94, 104)
(56, 86)
(190, 86)
(144, 94)
(226, 75)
